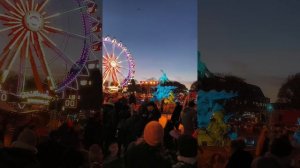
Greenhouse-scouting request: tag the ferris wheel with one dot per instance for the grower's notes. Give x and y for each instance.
(118, 64)
(45, 43)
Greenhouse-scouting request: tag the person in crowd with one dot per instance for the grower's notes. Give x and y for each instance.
(132, 99)
(169, 139)
(239, 157)
(95, 156)
(133, 127)
(22, 153)
(51, 151)
(188, 149)
(74, 155)
(149, 152)
(217, 160)
(278, 156)
(109, 126)
(121, 133)
(188, 118)
(152, 111)
(175, 118)
(113, 157)
(262, 143)
(93, 133)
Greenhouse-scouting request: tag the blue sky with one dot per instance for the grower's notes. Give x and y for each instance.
(160, 34)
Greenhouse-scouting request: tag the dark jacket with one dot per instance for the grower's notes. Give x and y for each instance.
(134, 127)
(50, 154)
(176, 115)
(17, 158)
(188, 117)
(145, 156)
(240, 159)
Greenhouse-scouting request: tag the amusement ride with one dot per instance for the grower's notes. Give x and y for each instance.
(44, 46)
(118, 65)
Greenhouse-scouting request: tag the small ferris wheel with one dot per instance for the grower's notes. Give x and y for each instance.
(118, 65)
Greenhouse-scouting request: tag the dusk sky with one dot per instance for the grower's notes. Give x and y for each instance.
(160, 34)
(258, 40)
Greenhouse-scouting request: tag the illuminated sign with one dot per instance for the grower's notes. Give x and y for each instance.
(69, 103)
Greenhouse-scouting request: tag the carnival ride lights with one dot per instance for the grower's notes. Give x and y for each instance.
(35, 97)
(25, 95)
(118, 65)
(32, 31)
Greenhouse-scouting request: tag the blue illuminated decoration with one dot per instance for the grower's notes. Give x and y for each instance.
(296, 136)
(207, 105)
(270, 108)
(163, 79)
(233, 135)
(202, 69)
(163, 92)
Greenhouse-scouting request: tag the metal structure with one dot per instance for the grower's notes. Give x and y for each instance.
(118, 65)
(45, 45)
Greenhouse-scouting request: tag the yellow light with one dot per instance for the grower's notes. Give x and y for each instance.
(163, 121)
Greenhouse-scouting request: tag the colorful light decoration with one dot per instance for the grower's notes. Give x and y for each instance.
(25, 95)
(118, 64)
(207, 105)
(164, 92)
(270, 108)
(35, 97)
(31, 30)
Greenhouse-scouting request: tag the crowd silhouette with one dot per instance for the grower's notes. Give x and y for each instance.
(127, 134)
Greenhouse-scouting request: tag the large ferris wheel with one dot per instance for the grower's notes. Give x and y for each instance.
(118, 64)
(45, 43)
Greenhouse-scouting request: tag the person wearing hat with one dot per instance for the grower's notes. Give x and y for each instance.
(148, 153)
(22, 153)
(188, 150)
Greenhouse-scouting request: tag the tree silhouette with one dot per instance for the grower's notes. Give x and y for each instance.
(180, 88)
(195, 86)
(289, 92)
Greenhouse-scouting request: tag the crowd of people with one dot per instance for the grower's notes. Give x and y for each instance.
(127, 134)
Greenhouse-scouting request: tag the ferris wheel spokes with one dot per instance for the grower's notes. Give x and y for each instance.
(41, 5)
(51, 45)
(123, 50)
(40, 53)
(22, 65)
(105, 49)
(13, 55)
(65, 12)
(37, 79)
